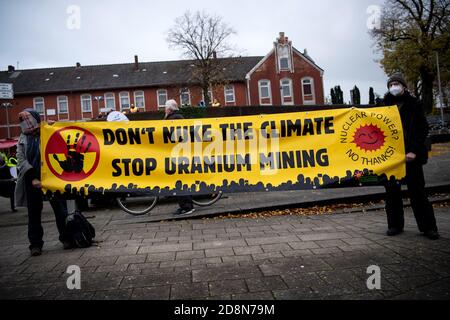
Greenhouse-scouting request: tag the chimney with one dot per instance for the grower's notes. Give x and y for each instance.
(136, 63)
(11, 69)
(214, 54)
(78, 65)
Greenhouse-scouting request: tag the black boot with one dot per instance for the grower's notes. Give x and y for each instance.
(432, 235)
(393, 232)
(35, 251)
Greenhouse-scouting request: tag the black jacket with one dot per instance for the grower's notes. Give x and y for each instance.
(175, 115)
(414, 122)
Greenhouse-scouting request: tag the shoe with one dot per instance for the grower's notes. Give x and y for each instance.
(35, 251)
(393, 232)
(432, 235)
(67, 245)
(184, 212)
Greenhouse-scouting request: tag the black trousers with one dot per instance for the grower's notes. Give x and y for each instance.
(185, 202)
(422, 208)
(35, 205)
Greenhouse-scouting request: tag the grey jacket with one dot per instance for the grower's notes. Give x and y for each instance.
(23, 166)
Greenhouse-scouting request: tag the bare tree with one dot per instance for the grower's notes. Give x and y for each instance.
(203, 38)
(411, 33)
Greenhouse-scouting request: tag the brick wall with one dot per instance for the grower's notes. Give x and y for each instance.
(302, 69)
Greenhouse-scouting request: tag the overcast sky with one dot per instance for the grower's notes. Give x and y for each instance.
(35, 33)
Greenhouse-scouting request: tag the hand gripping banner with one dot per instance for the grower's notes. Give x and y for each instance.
(302, 150)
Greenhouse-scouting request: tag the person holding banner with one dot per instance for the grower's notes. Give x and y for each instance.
(28, 188)
(172, 112)
(415, 129)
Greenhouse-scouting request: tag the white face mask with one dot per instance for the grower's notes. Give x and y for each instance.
(396, 90)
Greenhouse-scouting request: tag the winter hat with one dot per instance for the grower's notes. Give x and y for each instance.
(29, 120)
(397, 77)
(171, 105)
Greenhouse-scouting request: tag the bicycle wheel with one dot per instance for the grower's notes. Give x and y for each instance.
(137, 205)
(207, 200)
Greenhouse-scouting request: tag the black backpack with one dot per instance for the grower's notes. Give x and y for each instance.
(79, 230)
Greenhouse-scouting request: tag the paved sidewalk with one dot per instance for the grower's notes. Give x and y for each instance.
(287, 257)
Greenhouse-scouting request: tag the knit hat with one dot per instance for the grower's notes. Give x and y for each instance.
(397, 77)
(29, 120)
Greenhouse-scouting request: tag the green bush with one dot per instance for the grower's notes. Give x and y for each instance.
(193, 112)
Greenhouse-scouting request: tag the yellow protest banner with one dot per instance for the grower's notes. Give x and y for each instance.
(302, 150)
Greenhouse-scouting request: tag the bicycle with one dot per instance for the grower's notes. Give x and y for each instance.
(139, 204)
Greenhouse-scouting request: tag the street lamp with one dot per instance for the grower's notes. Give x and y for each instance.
(441, 98)
(7, 105)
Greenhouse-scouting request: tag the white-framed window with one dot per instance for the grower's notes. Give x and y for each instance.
(63, 105)
(139, 99)
(284, 62)
(286, 91)
(39, 105)
(229, 94)
(210, 95)
(162, 97)
(286, 88)
(185, 97)
(308, 90)
(124, 99)
(264, 91)
(110, 101)
(86, 103)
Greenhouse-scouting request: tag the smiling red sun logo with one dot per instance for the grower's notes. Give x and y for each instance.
(369, 138)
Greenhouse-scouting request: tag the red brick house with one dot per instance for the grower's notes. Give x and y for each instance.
(284, 76)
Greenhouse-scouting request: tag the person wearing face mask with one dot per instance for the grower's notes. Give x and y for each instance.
(415, 131)
(28, 188)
